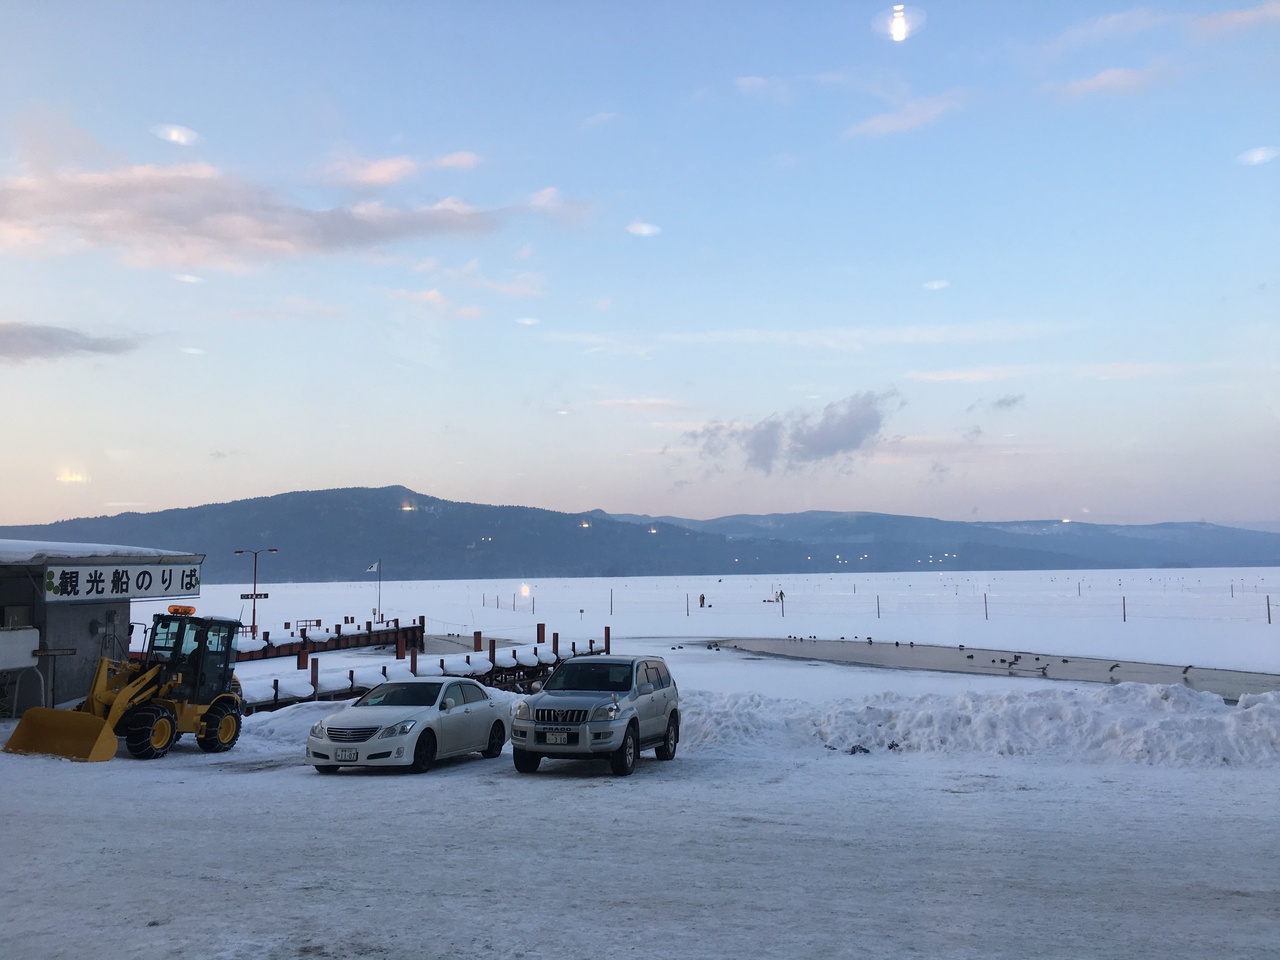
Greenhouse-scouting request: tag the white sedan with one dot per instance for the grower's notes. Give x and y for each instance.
(410, 723)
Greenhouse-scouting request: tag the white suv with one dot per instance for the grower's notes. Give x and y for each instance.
(599, 707)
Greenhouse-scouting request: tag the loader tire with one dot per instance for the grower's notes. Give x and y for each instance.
(222, 728)
(150, 730)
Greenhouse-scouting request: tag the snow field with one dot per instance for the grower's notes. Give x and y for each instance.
(1015, 818)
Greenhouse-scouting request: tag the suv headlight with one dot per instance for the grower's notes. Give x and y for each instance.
(317, 730)
(522, 710)
(607, 711)
(397, 729)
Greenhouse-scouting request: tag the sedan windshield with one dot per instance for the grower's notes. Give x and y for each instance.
(611, 677)
(400, 695)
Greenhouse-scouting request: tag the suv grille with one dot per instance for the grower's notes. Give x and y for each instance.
(545, 715)
(351, 734)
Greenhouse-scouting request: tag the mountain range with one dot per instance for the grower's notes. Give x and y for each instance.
(336, 535)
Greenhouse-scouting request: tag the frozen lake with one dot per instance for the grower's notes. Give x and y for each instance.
(1210, 617)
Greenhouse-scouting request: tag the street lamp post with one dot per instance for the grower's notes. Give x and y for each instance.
(253, 629)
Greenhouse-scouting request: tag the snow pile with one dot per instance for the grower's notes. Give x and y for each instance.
(1129, 721)
(466, 664)
(527, 656)
(285, 730)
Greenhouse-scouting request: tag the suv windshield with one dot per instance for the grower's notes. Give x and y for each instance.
(400, 695)
(610, 677)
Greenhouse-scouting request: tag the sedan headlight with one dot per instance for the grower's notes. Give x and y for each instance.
(397, 729)
(607, 711)
(522, 710)
(317, 729)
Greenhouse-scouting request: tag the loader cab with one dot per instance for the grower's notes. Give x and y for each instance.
(198, 649)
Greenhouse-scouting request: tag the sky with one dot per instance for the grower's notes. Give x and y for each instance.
(672, 259)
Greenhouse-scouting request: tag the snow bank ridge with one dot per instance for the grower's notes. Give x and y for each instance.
(1146, 723)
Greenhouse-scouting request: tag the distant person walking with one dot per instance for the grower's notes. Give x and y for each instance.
(702, 599)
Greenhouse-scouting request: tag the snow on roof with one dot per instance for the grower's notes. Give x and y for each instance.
(34, 552)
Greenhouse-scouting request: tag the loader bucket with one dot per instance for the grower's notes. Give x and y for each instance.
(63, 733)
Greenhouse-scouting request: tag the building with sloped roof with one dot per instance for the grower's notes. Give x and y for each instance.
(65, 605)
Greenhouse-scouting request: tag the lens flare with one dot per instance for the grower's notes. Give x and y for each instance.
(899, 22)
(898, 28)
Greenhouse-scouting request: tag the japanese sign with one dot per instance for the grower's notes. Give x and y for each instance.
(154, 581)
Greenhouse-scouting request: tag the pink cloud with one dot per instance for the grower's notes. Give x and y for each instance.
(913, 114)
(373, 173)
(1109, 27)
(1118, 80)
(461, 160)
(1229, 21)
(192, 215)
(432, 296)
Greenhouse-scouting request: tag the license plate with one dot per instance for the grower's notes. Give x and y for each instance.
(555, 737)
(349, 754)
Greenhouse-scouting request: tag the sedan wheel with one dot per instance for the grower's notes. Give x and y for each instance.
(424, 752)
(497, 737)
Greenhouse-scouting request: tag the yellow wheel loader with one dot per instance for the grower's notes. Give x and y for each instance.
(182, 683)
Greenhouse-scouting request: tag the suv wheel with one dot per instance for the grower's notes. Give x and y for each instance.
(667, 749)
(525, 761)
(623, 760)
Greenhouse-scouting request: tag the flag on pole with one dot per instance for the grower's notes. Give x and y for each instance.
(373, 568)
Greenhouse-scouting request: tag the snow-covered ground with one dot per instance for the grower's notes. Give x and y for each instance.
(990, 817)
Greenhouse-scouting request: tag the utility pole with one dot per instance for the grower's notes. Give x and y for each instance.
(253, 628)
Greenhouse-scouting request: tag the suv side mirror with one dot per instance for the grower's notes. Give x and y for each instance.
(645, 688)
(535, 686)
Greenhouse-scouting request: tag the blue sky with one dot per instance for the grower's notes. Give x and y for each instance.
(690, 259)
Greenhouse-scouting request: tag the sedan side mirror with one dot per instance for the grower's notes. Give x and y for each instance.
(448, 704)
